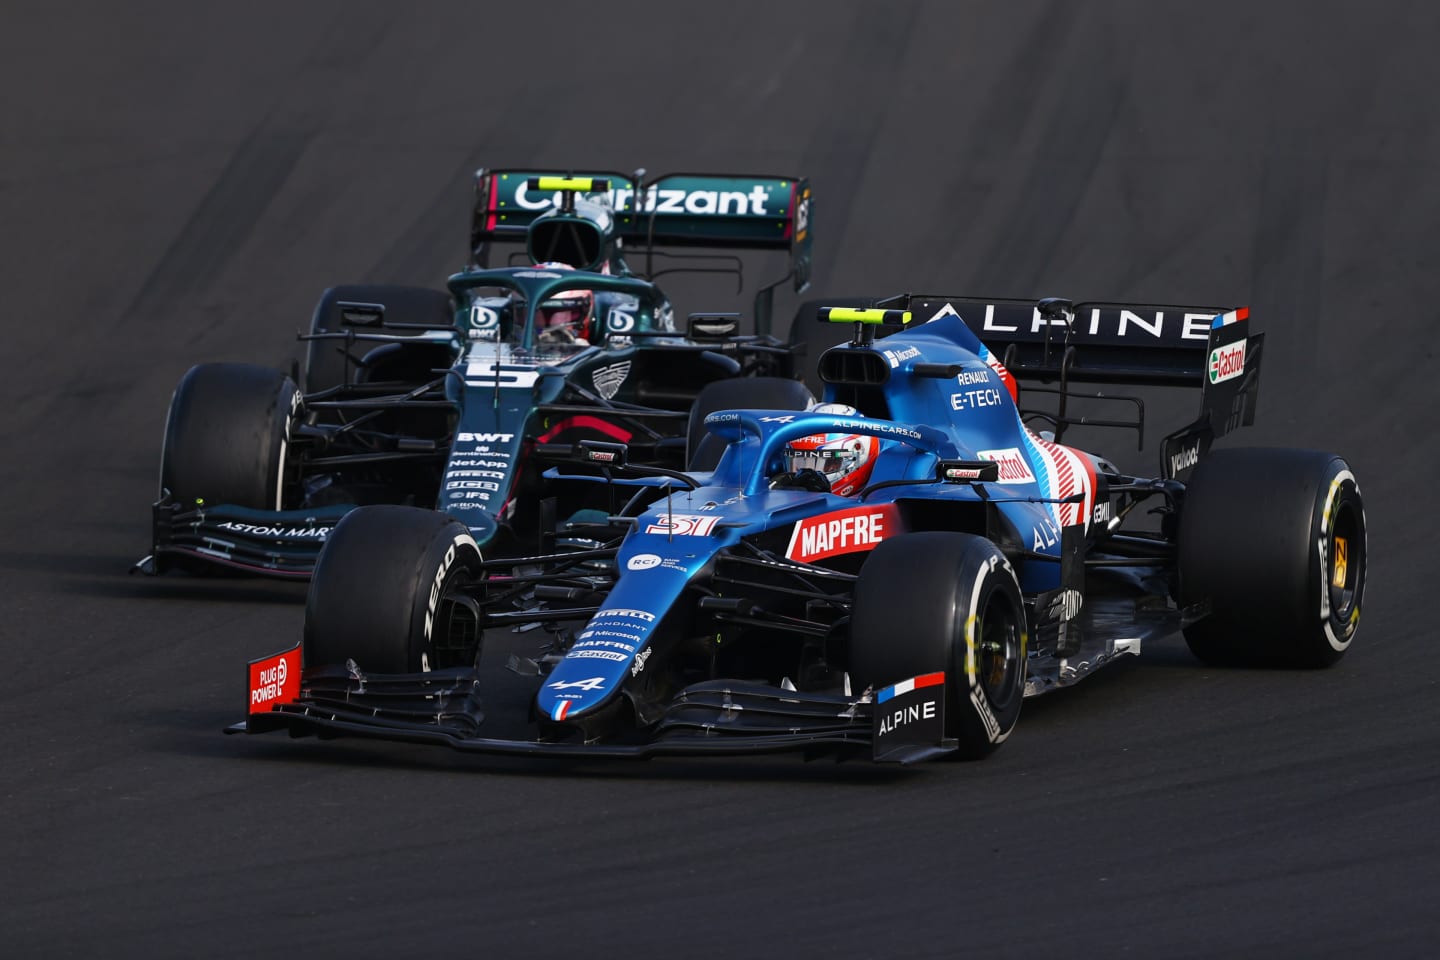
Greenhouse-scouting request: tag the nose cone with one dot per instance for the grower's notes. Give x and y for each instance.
(617, 646)
(482, 526)
(604, 655)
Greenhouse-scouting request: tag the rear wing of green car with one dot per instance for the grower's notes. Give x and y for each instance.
(733, 211)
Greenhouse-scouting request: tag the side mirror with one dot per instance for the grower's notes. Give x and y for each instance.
(712, 326)
(602, 453)
(361, 314)
(967, 471)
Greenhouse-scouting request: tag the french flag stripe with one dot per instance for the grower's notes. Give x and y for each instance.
(905, 686)
(561, 708)
(1234, 316)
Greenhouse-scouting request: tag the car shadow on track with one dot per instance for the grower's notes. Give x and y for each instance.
(107, 576)
(198, 734)
(1060, 706)
(64, 564)
(180, 587)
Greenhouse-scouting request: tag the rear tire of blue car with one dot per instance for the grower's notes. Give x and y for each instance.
(227, 435)
(933, 601)
(703, 449)
(1274, 541)
(381, 593)
(328, 363)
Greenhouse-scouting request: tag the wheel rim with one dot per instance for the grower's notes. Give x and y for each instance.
(1345, 563)
(997, 654)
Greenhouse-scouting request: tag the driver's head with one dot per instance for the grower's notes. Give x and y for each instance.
(845, 459)
(566, 317)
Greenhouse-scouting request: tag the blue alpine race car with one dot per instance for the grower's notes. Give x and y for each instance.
(888, 573)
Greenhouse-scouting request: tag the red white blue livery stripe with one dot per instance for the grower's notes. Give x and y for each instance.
(905, 686)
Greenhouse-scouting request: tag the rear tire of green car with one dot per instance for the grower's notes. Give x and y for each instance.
(328, 363)
(703, 448)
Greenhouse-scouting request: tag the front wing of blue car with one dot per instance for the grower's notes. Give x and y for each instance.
(903, 723)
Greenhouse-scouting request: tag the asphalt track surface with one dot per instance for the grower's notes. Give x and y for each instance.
(177, 183)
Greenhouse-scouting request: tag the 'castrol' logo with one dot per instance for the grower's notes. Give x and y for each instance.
(1227, 362)
(1013, 467)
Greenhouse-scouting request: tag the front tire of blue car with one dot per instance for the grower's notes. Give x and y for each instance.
(385, 593)
(933, 601)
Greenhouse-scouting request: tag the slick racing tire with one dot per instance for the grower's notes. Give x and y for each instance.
(817, 336)
(327, 363)
(226, 436)
(703, 448)
(1274, 540)
(379, 595)
(927, 602)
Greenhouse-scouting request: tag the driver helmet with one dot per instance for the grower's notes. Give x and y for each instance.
(845, 459)
(566, 317)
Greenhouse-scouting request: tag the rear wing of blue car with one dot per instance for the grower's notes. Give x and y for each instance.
(1057, 341)
(1090, 342)
(733, 211)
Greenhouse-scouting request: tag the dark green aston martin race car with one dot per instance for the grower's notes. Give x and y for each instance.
(438, 398)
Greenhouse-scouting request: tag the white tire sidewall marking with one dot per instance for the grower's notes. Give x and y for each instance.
(975, 694)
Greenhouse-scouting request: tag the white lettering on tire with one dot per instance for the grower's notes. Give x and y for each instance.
(987, 716)
(972, 674)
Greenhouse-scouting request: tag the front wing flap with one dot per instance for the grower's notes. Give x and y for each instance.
(443, 707)
(274, 543)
